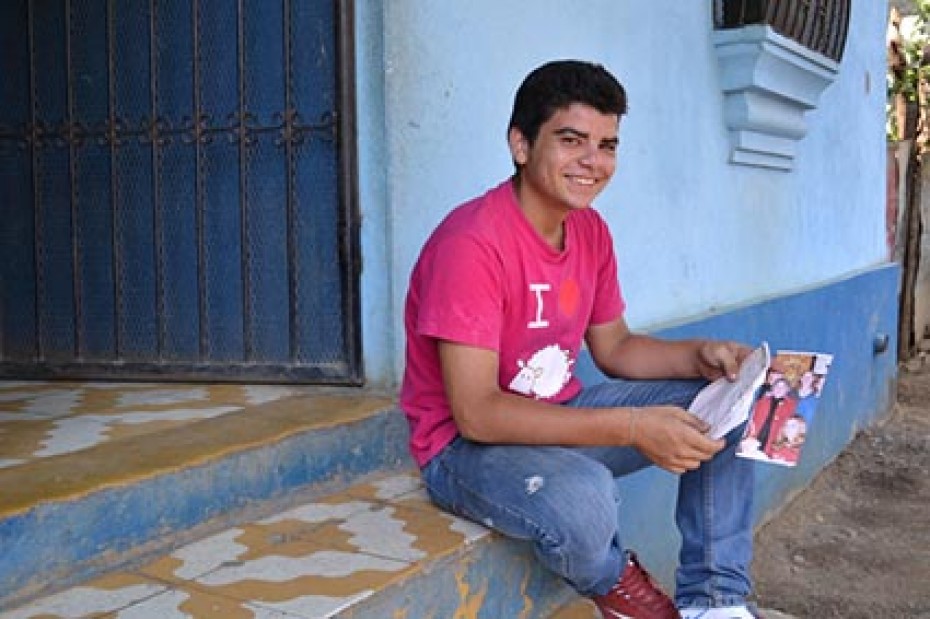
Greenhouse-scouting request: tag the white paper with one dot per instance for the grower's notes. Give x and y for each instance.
(725, 404)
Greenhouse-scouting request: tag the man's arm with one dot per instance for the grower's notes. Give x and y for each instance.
(485, 413)
(619, 353)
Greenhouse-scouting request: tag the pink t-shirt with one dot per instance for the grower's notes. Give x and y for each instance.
(486, 278)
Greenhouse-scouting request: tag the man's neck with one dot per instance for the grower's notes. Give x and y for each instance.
(548, 223)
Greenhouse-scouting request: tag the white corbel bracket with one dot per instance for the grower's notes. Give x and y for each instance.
(769, 82)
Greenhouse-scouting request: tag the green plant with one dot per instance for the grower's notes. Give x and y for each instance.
(909, 69)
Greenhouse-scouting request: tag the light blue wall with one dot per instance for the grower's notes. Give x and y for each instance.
(693, 233)
(377, 290)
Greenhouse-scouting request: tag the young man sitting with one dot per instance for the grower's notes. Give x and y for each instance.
(503, 295)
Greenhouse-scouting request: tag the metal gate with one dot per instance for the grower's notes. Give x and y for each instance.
(177, 181)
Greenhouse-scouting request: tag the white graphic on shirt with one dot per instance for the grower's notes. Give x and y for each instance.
(544, 375)
(540, 322)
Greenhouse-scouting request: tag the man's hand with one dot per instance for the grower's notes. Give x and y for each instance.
(673, 438)
(719, 358)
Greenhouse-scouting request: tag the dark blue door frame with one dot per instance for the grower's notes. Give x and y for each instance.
(178, 184)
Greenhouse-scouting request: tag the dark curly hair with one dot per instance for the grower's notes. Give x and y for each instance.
(558, 84)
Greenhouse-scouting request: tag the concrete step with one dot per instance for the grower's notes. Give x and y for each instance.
(243, 501)
(94, 476)
(577, 608)
(378, 549)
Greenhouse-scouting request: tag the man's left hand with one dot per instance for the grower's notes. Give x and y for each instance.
(717, 358)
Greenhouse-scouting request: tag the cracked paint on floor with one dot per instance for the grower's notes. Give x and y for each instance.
(312, 561)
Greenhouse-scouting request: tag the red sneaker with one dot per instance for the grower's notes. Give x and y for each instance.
(636, 596)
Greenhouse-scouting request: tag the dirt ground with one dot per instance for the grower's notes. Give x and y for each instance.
(856, 543)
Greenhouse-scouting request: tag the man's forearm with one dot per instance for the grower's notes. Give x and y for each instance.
(646, 357)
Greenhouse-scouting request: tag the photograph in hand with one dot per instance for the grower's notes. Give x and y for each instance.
(784, 409)
(777, 395)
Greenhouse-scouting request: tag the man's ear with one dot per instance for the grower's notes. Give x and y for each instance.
(519, 146)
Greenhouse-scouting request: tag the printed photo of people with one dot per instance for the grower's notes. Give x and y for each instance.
(785, 407)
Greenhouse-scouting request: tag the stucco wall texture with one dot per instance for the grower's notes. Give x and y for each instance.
(694, 233)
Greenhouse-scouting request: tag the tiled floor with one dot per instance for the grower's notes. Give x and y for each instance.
(60, 441)
(44, 419)
(307, 562)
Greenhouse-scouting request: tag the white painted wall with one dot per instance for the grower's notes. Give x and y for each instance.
(693, 232)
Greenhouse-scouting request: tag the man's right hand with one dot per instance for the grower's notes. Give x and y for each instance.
(673, 438)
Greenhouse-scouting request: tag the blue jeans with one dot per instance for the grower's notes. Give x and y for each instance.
(565, 501)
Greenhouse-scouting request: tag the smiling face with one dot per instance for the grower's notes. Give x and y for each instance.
(569, 163)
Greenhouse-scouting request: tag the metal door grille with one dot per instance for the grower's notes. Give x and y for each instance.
(177, 182)
(819, 25)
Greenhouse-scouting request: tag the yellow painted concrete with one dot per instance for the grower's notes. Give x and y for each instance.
(127, 456)
(578, 609)
(311, 561)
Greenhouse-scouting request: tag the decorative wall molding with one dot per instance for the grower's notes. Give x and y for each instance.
(769, 82)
